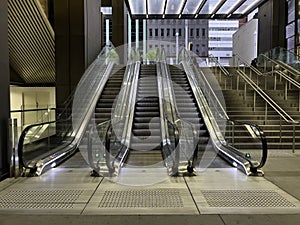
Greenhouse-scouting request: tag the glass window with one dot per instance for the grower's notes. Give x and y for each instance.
(197, 32)
(156, 32)
(156, 6)
(106, 10)
(192, 6)
(162, 31)
(174, 6)
(291, 43)
(179, 32)
(192, 32)
(290, 30)
(137, 6)
(209, 6)
(291, 10)
(228, 6)
(168, 32)
(246, 6)
(174, 32)
(203, 32)
(150, 32)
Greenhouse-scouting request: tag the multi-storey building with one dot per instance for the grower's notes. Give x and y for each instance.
(192, 34)
(220, 39)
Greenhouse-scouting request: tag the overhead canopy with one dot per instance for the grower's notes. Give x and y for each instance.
(189, 9)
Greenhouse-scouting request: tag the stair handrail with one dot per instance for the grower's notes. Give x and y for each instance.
(276, 54)
(283, 114)
(279, 72)
(222, 68)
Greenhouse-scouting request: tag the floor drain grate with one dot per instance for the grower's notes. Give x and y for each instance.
(245, 198)
(39, 198)
(157, 198)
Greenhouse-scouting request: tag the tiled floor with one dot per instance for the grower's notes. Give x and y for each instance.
(215, 196)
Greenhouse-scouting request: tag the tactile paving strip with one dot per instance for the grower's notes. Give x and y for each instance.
(157, 198)
(245, 198)
(45, 198)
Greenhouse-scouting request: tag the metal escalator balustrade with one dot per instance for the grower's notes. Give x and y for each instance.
(107, 142)
(220, 127)
(140, 134)
(49, 150)
(188, 110)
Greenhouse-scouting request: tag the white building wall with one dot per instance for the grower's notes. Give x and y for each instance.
(245, 41)
(44, 96)
(220, 39)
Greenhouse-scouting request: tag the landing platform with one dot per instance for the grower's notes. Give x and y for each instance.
(215, 196)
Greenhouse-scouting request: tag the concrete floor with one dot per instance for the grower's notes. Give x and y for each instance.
(282, 170)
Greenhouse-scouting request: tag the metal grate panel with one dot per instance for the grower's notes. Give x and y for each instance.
(31, 42)
(158, 198)
(245, 198)
(39, 198)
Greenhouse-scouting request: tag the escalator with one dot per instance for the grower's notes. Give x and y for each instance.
(111, 90)
(145, 144)
(188, 111)
(187, 106)
(37, 156)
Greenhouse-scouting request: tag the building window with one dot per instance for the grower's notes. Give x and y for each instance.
(174, 32)
(203, 32)
(162, 32)
(197, 32)
(150, 33)
(168, 32)
(156, 32)
(179, 32)
(192, 32)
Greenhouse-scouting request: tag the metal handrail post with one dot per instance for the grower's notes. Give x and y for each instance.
(294, 137)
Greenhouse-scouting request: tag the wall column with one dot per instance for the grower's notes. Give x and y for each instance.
(77, 42)
(119, 29)
(4, 91)
(271, 25)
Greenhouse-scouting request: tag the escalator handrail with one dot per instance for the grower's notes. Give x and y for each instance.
(71, 144)
(176, 118)
(130, 78)
(175, 111)
(235, 122)
(165, 120)
(262, 135)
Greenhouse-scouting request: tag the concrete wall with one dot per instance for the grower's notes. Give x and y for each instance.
(245, 40)
(4, 91)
